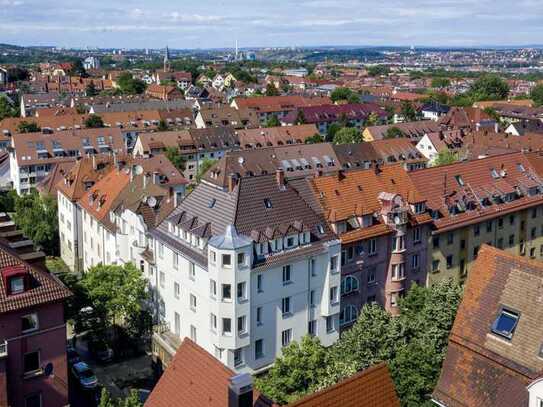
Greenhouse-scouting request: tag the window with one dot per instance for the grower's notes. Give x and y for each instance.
(259, 315)
(226, 292)
(533, 233)
(241, 259)
(450, 238)
(175, 260)
(500, 223)
(29, 323)
(394, 300)
(31, 362)
(285, 306)
(193, 333)
(532, 252)
(193, 302)
(312, 298)
(435, 265)
(476, 229)
(511, 219)
(511, 240)
(399, 243)
(371, 276)
(372, 247)
(333, 295)
(416, 235)
(259, 348)
(177, 324)
(435, 242)
(398, 271)
(242, 325)
(161, 250)
(330, 324)
(176, 290)
(505, 323)
(286, 337)
(312, 327)
(348, 315)
(415, 262)
(34, 400)
(213, 288)
(212, 256)
(226, 326)
(475, 251)
(286, 274)
(192, 271)
(162, 279)
(259, 283)
(16, 285)
(312, 265)
(500, 243)
(267, 203)
(349, 285)
(449, 261)
(242, 292)
(459, 180)
(213, 321)
(333, 264)
(226, 260)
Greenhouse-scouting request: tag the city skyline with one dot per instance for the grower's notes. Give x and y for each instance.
(217, 24)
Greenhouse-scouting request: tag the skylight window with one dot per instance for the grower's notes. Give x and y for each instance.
(211, 203)
(320, 228)
(494, 173)
(521, 167)
(459, 180)
(505, 323)
(267, 203)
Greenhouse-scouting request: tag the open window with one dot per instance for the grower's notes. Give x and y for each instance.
(505, 323)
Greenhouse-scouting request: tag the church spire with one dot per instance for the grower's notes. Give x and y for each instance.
(167, 59)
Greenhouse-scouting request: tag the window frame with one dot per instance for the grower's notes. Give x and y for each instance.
(511, 313)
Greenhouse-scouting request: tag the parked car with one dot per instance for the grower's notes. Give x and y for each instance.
(84, 375)
(72, 356)
(101, 351)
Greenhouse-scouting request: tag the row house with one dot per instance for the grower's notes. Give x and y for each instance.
(383, 226)
(353, 115)
(33, 366)
(278, 106)
(34, 155)
(80, 245)
(226, 116)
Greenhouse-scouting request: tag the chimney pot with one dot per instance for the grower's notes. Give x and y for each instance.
(280, 177)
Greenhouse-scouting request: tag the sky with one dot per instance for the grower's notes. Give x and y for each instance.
(190, 24)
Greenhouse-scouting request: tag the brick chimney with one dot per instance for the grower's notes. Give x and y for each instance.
(232, 181)
(240, 391)
(280, 177)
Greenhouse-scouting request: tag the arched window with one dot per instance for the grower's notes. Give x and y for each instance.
(349, 285)
(348, 315)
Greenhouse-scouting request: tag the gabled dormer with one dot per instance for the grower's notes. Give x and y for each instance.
(16, 279)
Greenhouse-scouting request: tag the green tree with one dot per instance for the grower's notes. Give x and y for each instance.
(331, 133)
(6, 110)
(393, 132)
(536, 94)
(36, 216)
(78, 69)
(300, 117)
(129, 85)
(90, 90)
(94, 122)
(492, 113)
(348, 135)
(344, 94)
(271, 90)
(202, 169)
(296, 372)
(445, 157)
(408, 111)
(315, 139)
(174, 155)
(489, 87)
(378, 70)
(162, 125)
(17, 74)
(273, 121)
(105, 399)
(7, 200)
(441, 83)
(28, 127)
(372, 120)
(117, 295)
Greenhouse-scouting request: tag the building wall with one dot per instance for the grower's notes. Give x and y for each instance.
(466, 241)
(50, 341)
(70, 232)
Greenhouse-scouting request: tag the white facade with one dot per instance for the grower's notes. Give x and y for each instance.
(427, 148)
(535, 391)
(70, 230)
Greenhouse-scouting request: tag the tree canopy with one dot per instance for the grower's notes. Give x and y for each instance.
(445, 157)
(344, 94)
(408, 111)
(91, 90)
(441, 83)
(378, 70)
(94, 122)
(129, 85)
(536, 94)
(205, 165)
(273, 121)
(174, 155)
(36, 216)
(348, 135)
(315, 139)
(393, 132)
(28, 127)
(413, 344)
(6, 109)
(489, 87)
(271, 90)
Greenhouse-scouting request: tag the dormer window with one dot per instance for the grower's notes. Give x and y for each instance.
(494, 173)
(459, 180)
(16, 285)
(267, 203)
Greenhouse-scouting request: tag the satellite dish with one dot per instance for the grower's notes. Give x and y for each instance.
(397, 220)
(138, 170)
(48, 370)
(151, 201)
(241, 160)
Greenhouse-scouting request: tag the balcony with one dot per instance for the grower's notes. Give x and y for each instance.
(3, 349)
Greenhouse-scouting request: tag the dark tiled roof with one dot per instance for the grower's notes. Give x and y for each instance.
(482, 368)
(414, 130)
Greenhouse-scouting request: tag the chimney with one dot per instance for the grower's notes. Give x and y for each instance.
(240, 391)
(280, 177)
(156, 177)
(94, 162)
(231, 182)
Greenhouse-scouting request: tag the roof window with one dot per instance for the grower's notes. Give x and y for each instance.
(459, 180)
(505, 323)
(211, 203)
(267, 203)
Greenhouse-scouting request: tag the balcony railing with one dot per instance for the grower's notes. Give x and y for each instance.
(3, 349)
